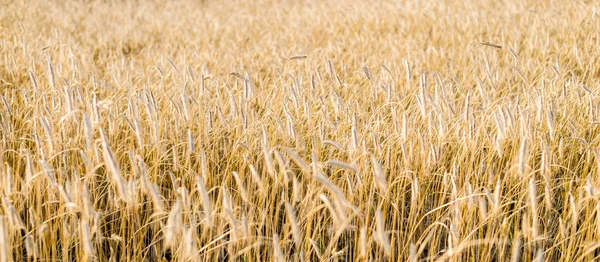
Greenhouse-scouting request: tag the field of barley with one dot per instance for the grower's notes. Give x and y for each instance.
(264, 130)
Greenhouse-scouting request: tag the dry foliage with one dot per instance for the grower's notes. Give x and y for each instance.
(299, 130)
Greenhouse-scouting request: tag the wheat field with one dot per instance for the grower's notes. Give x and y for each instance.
(299, 130)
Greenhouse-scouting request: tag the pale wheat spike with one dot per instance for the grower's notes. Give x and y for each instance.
(534, 207)
(523, 155)
(7, 181)
(589, 186)
(294, 57)
(316, 166)
(367, 72)
(86, 239)
(412, 252)
(49, 172)
(267, 152)
(331, 69)
(408, 72)
(67, 198)
(191, 73)
(516, 248)
(228, 207)
(483, 207)
(87, 124)
(68, 99)
(152, 191)
(52, 76)
(363, 246)
(562, 228)
(422, 98)
(297, 190)
(190, 138)
(206, 203)
(294, 225)
(238, 75)
(354, 136)
(7, 105)
(30, 247)
(277, 253)
(176, 162)
(184, 197)
(597, 155)
(404, 127)
(450, 243)
(88, 207)
(190, 249)
(34, 81)
(95, 110)
(131, 191)
(339, 195)
(380, 234)
(467, 110)
(233, 104)
(415, 192)
(112, 165)
(498, 196)
(13, 216)
(379, 177)
(386, 69)
(5, 254)
(498, 146)
(336, 217)
(173, 65)
(574, 213)
(332, 143)
(551, 124)
(539, 255)
(299, 161)
(241, 187)
(204, 165)
(248, 87)
(49, 135)
(174, 223)
(29, 171)
(257, 178)
(283, 165)
(342, 164)
(597, 218)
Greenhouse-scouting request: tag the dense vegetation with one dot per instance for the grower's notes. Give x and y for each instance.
(299, 130)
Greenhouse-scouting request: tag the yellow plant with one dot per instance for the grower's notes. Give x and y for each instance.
(299, 130)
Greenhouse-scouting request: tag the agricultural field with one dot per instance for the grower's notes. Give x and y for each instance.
(295, 130)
